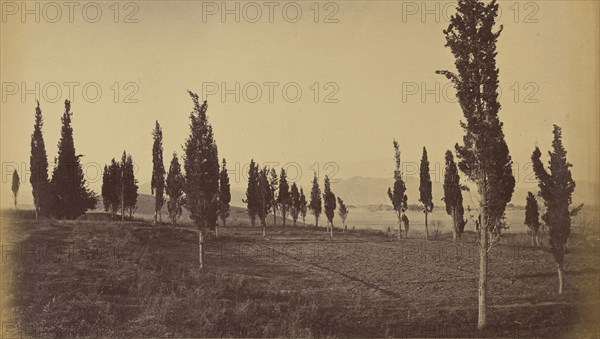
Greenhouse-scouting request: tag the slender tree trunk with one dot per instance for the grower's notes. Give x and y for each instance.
(264, 228)
(331, 231)
(15, 202)
(316, 221)
(426, 227)
(200, 249)
(399, 225)
(122, 203)
(216, 231)
(274, 218)
(560, 278)
(283, 214)
(36, 212)
(483, 242)
(454, 225)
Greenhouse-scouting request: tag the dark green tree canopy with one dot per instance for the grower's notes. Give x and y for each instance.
(71, 196)
(201, 165)
(426, 197)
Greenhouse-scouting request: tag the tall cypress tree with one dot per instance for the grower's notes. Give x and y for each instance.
(224, 193)
(201, 165)
(294, 202)
(71, 197)
(130, 185)
(111, 187)
(425, 189)
(315, 200)
(283, 198)
(252, 192)
(302, 206)
(157, 184)
(397, 196)
(38, 166)
(16, 183)
(174, 187)
(342, 211)
(265, 198)
(274, 184)
(329, 204)
(532, 217)
(484, 155)
(556, 188)
(453, 197)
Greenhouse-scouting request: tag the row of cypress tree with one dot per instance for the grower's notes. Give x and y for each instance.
(65, 195)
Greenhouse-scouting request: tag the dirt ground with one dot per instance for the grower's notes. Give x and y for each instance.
(111, 279)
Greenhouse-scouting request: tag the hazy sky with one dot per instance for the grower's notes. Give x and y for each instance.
(371, 68)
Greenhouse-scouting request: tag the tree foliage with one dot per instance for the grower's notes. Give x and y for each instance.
(315, 200)
(201, 164)
(16, 183)
(328, 201)
(398, 195)
(252, 192)
(38, 166)
(224, 193)
(157, 184)
(342, 211)
(283, 198)
(294, 202)
(70, 195)
(556, 189)
(453, 195)
(175, 184)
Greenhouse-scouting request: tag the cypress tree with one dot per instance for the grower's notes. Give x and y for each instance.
(329, 204)
(484, 155)
(224, 193)
(130, 187)
(397, 196)
(71, 197)
(556, 189)
(174, 188)
(294, 202)
(302, 206)
(264, 198)
(283, 198)
(315, 200)
(453, 197)
(532, 217)
(201, 165)
(274, 184)
(252, 192)
(425, 190)
(342, 211)
(38, 166)
(16, 183)
(157, 184)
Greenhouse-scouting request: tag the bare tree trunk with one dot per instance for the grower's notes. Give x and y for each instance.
(15, 202)
(331, 231)
(283, 214)
(560, 278)
(200, 249)
(122, 203)
(216, 231)
(454, 225)
(264, 228)
(316, 221)
(274, 218)
(399, 225)
(426, 227)
(483, 244)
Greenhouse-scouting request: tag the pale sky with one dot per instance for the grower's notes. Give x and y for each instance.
(378, 58)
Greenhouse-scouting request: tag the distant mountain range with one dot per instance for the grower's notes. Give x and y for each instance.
(364, 191)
